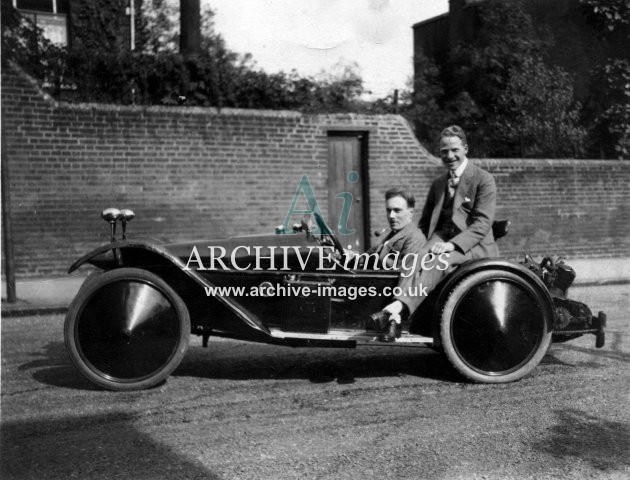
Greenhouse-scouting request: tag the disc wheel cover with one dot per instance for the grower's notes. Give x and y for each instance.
(127, 330)
(496, 325)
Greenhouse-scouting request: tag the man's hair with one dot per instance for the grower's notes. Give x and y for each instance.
(454, 131)
(400, 192)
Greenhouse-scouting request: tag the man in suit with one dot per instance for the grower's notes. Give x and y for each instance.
(403, 237)
(457, 220)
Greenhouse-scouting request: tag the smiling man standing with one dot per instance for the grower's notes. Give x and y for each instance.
(457, 220)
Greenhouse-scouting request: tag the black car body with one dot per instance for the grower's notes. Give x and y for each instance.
(128, 327)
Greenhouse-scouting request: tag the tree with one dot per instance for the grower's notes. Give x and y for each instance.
(424, 111)
(505, 40)
(158, 31)
(608, 109)
(24, 43)
(608, 15)
(156, 74)
(607, 112)
(536, 113)
(499, 88)
(100, 25)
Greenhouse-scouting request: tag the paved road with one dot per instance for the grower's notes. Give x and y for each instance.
(239, 410)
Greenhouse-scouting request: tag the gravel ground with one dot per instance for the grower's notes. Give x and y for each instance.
(246, 411)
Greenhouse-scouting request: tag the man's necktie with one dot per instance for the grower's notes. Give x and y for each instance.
(453, 181)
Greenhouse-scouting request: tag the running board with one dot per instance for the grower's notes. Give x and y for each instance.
(361, 337)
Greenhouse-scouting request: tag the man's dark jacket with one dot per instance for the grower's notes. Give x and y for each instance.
(473, 211)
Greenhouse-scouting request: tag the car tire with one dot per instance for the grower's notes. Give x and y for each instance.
(495, 326)
(90, 278)
(127, 329)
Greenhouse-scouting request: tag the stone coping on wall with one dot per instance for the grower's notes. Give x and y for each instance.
(542, 163)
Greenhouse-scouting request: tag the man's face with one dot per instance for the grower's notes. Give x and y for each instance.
(452, 152)
(399, 215)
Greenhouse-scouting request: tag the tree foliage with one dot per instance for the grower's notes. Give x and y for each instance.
(423, 108)
(499, 88)
(607, 112)
(506, 40)
(24, 43)
(536, 113)
(100, 25)
(157, 74)
(608, 15)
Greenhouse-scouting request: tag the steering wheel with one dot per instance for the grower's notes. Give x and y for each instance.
(328, 239)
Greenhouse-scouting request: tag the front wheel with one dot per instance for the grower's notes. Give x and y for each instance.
(127, 329)
(495, 326)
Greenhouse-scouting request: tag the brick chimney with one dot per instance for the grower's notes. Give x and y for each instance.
(190, 27)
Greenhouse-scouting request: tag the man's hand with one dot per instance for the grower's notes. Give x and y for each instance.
(395, 308)
(442, 247)
(350, 253)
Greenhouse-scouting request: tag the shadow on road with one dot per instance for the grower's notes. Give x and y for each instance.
(52, 366)
(236, 360)
(253, 361)
(601, 443)
(613, 349)
(95, 447)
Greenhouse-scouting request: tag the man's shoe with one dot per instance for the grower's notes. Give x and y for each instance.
(393, 331)
(378, 321)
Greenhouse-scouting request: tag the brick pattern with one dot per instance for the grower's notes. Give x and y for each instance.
(186, 172)
(199, 173)
(572, 208)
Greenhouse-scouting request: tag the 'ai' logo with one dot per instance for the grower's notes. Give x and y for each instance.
(304, 187)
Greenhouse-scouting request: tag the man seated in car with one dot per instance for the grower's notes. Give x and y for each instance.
(403, 237)
(457, 220)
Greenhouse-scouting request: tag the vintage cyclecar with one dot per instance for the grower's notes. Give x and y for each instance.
(128, 327)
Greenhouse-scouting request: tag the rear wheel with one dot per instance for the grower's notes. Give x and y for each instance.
(495, 326)
(127, 329)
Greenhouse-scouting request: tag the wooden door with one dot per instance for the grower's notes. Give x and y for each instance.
(347, 183)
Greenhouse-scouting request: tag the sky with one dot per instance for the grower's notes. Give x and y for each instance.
(324, 35)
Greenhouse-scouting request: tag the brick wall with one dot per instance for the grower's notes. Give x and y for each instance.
(573, 208)
(186, 172)
(198, 173)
